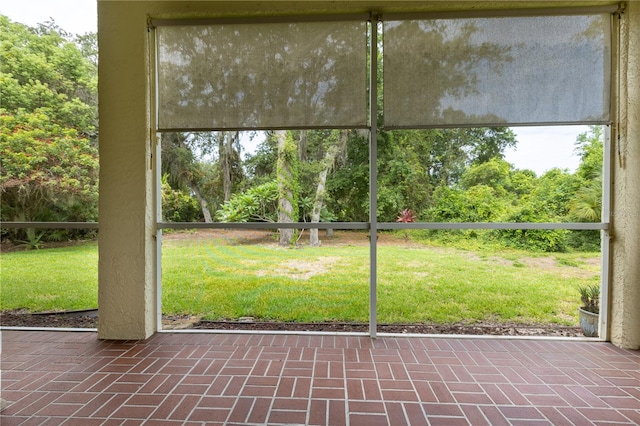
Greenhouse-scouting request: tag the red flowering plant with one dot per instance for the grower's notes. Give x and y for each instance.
(406, 216)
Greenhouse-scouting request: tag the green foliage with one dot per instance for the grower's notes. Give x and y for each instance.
(477, 204)
(42, 69)
(48, 172)
(590, 298)
(522, 182)
(553, 192)
(412, 164)
(258, 204)
(178, 206)
(260, 166)
(48, 121)
(348, 184)
(589, 146)
(587, 241)
(34, 239)
(287, 178)
(545, 240)
(495, 174)
(586, 204)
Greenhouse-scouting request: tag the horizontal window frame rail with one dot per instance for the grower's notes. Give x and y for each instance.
(263, 225)
(258, 128)
(583, 226)
(256, 19)
(503, 13)
(49, 225)
(500, 124)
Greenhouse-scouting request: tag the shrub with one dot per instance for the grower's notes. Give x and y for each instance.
(178, 206)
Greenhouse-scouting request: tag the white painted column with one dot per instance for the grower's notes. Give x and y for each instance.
(126, 295)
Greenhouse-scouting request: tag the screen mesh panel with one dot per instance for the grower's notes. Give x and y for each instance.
(262, 75)
(497, 71)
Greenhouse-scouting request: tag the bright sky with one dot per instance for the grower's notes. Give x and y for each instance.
(543, 148)
(73, 16)
(538, 149)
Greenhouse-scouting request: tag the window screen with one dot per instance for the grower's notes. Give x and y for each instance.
(262, 75)
(497, 71)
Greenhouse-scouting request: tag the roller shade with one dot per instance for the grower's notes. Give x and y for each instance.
(497, 71)
(262, 75)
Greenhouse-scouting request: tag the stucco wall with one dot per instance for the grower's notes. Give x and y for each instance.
(625, 282)
(127, 296)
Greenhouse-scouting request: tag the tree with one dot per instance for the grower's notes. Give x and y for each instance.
(327, 164)
(494, 173)
(287, 178)
(412, 164)
(48, 172)
(42, 69)
(586, 205)
(479, 203)
(178, 206)
(259, 203)
(228, 154)
(181, 170)
(48, 132)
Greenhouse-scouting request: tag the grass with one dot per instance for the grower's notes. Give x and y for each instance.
(216, 280)
(50, 279)
(219, 279)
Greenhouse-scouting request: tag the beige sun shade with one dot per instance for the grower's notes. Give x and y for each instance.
(497, 71)
(262, 75)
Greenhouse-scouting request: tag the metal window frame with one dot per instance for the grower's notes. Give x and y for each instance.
(373, 226)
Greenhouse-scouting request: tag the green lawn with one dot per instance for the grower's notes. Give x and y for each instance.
(218, 279)
(50, 279)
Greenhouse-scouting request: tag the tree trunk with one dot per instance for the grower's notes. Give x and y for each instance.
(286, 184)
(318, 203)
(203, 203)
(328, 163)
(302, 146)
(225, 147)
(187, 177)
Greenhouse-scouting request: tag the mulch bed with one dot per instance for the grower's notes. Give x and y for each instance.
(458, 329)
(90, 320)
(22, 318)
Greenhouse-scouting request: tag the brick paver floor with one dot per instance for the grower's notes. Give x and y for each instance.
(72, 378)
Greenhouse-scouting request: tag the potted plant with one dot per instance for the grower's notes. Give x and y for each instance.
(589, 312)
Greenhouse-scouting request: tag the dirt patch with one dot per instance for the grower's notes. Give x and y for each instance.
(270, 237)
(303, 269)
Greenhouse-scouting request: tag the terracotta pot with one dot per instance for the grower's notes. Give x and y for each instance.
(589, 322)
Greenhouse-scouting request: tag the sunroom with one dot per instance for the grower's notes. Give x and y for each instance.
(143, 43)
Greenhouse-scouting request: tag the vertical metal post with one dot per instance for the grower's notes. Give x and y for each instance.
(605, 239)
(156, 150)
(610, 136)
(373, 176)
(158, 211)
